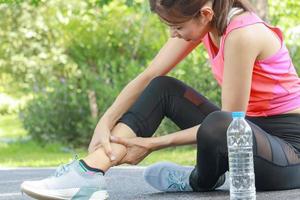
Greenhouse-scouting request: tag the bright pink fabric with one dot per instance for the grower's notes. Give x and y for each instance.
(275, 87)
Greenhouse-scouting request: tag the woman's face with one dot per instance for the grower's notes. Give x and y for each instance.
(192, 30)
(197, 27)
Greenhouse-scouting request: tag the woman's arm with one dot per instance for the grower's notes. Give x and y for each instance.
(171, 54)
(168, 57)
(138, 148)
(183, 137)
(242, 47)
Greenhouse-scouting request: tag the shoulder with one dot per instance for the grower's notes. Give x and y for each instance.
(245, 40)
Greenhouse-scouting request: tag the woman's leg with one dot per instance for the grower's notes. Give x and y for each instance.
(99, 160)
(276, 163)
(167, 97)
(163, 97)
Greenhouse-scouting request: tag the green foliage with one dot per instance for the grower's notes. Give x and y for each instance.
(8, 105)
(105, 49)
(31, 52)
(286, 15)
(4, 109)
(59, 115)
(59, 51)
(109, 48)
(11, 127)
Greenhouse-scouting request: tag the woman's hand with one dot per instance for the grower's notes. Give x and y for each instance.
(137, 148)
(101, 139)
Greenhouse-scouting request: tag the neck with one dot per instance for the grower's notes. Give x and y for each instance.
(215, 37)
(234, 12)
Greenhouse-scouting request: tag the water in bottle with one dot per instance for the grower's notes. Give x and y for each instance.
(240, 156)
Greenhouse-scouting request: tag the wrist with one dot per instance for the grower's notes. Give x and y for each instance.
(157, 143)
(104, 122)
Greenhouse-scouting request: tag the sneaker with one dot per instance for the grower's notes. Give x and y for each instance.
(168, 177)
(69, 181)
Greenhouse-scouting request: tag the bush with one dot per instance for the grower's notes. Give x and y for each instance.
(61, 115)
(73, 47)
(4, 109)
(8, 105)
(103, 51)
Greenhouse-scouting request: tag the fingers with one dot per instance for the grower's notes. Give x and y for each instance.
(91, 148)
(127, 161)
(97, 146)
(119, 140)
(108, 151)
(122, 161)
(94, 147)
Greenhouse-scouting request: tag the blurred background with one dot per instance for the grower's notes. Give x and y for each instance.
(62, 63)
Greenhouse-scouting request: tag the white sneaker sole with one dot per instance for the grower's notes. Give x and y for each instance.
(66, 194)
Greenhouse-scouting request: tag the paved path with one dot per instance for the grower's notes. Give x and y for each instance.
(125, 183)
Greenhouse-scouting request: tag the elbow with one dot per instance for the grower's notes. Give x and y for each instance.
(239, 104)
(234, 108)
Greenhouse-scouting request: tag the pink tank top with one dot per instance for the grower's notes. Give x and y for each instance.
(275, 87)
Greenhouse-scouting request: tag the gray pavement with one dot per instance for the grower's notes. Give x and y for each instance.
(125, 183)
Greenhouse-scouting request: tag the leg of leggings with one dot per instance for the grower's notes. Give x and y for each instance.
(166, 96)
(276, 163)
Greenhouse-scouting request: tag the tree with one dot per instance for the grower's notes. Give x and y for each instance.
(261, 7)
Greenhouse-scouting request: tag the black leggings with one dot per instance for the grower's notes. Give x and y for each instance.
(276, 139)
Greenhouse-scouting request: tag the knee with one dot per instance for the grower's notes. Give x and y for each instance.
(213, 129)
(162, 83)
(123, 130)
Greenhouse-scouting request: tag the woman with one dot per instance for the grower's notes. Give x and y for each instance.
(253, 67)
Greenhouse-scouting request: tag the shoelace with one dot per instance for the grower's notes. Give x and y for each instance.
(62, 169)
(176, 180)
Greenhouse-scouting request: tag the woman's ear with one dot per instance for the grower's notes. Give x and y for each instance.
(206, 13)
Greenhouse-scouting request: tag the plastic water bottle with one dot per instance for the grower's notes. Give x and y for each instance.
(240, 156)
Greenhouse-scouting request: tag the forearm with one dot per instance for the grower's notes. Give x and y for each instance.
(124, 100)
(183, 137)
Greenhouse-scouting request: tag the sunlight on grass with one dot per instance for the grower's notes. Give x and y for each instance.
(28, 153)
(11, 126)
(31, 154)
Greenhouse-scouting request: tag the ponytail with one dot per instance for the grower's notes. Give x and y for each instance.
(221, 9)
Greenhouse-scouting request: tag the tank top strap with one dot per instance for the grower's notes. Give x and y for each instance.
(239, 22)
(242, 21)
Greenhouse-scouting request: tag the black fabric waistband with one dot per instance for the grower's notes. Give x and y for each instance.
(285, 126)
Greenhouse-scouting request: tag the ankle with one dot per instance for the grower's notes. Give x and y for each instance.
(86, 167)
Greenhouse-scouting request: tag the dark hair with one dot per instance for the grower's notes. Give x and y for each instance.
(179, 11)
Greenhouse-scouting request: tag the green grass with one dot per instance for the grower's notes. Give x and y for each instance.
(32, 154)
(11, 126)
(185, 155)
(28, 153)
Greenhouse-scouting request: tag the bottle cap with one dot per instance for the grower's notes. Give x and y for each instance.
(238, 114)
